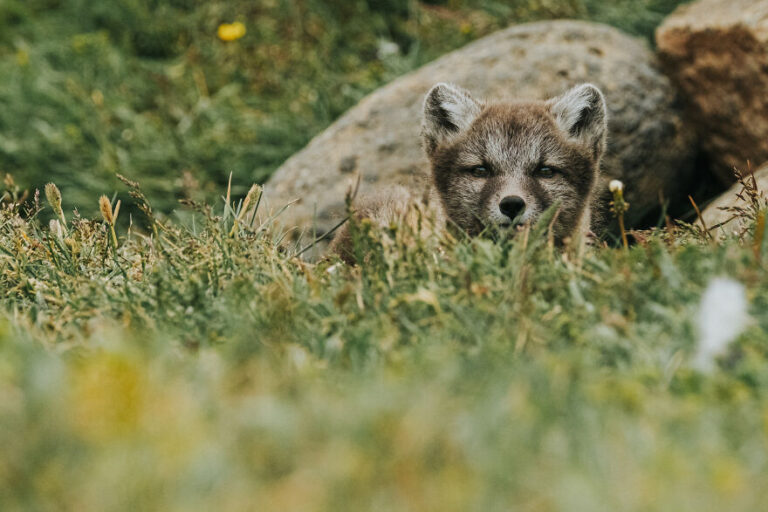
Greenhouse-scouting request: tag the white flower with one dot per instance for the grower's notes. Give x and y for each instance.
(616, 186)
(387, 49)
(722, 317)
(55, 228)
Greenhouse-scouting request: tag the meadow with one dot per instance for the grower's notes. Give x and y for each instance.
(205, 365)
(166, 355)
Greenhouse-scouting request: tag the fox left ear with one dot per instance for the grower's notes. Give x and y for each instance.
(581, 113)
(448, 110)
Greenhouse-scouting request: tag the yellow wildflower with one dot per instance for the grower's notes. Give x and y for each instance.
(231, 31)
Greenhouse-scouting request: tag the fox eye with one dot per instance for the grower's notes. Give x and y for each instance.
(479, 171)
(545, 171)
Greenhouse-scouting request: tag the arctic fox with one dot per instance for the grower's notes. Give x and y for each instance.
(500, 165)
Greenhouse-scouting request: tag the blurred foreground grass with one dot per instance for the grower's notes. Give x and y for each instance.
(147, 88)
(204, 366)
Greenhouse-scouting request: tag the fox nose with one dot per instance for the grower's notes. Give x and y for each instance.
(512, 206)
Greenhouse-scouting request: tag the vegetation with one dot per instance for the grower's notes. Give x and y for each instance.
(150, 89)
(151, 361)
(205, 366)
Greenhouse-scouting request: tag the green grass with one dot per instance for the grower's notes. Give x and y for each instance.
(199, 363)
(146, 89)
(191, 369)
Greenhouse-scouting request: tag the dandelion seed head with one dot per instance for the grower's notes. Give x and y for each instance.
(55, 228)
(723, 316)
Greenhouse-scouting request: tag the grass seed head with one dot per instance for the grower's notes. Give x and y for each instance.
(252, 197)
(253, 194)
(106, 209)
(53, 195)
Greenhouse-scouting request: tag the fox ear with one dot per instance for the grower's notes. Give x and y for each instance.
(581, 113)
(448, 110)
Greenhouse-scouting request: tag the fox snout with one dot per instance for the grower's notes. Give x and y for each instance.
(506, 209)
(513, 207)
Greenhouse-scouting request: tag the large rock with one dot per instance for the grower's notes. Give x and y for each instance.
(714, 214)
(649, 149)
(717, 52)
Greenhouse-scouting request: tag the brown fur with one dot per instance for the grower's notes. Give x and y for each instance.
(394, 205)
(537, 152)
(512, 141)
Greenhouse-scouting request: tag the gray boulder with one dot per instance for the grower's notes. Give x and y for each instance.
(649, 148)
(716, 51)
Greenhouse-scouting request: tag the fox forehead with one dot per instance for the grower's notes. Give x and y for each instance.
(509, 135)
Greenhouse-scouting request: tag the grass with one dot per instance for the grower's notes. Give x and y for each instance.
(145, 88)
(204, 365)
(165, 356)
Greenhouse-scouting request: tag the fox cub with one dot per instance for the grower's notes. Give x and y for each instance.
(500, 165)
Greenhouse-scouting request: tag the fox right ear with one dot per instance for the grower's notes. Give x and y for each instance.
(581, 113)
(448, 110)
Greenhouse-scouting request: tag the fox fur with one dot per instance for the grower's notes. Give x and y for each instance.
(500, 165)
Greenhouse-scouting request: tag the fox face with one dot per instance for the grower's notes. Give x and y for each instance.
(501, 165)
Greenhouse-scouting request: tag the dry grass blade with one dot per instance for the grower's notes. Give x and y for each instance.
(751, 201)
(757, 243)
(704, 228)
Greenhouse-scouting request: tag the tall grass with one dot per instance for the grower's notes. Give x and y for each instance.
(200, 364)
